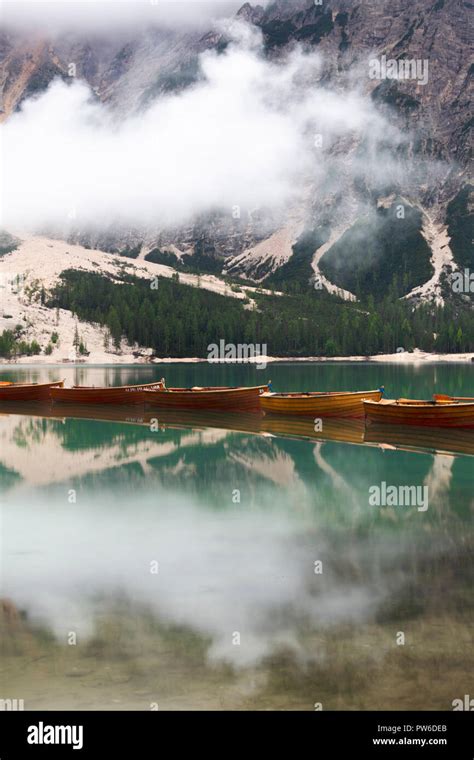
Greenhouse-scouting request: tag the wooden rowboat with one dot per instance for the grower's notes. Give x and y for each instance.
(318, 404)
(28, 391)
(119, 394)
(432, 413)
(242, 399)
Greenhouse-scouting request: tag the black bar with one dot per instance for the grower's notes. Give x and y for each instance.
(153, 734)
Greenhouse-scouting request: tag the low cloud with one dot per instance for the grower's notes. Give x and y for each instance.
(250, 133)
(104, 16)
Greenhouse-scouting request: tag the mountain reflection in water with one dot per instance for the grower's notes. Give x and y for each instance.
(181, 551)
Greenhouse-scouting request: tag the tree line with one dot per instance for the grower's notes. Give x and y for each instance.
(180, 320)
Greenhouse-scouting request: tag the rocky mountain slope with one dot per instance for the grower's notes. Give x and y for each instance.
(32, 268)
(311, 245)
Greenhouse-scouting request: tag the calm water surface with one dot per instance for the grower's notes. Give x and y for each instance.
(155, 560)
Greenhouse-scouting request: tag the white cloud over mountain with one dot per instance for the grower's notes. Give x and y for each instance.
(245, 135)
(106, 15)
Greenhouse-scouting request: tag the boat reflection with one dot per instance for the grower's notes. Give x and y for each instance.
(343, 430)
(427, 439)
(331, 429)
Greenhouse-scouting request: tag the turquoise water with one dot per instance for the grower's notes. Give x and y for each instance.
(399, 380)
(225, 563)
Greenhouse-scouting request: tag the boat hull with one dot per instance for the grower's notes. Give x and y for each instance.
(318, 405)
(28, 392)
(420, 413)
(217, 399)
(125, 394)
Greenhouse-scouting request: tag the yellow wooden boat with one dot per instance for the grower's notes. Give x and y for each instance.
(434, 413)
(335, 404)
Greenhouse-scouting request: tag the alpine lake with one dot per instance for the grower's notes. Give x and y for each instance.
(187, 561)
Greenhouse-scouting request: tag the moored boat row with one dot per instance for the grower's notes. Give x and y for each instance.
(241, 399)
(157, 394)
(441, 411)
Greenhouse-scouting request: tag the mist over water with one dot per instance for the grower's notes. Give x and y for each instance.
(250, 571)
(136, 542)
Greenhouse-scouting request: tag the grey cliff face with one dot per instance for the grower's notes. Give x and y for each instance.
(128, 72)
